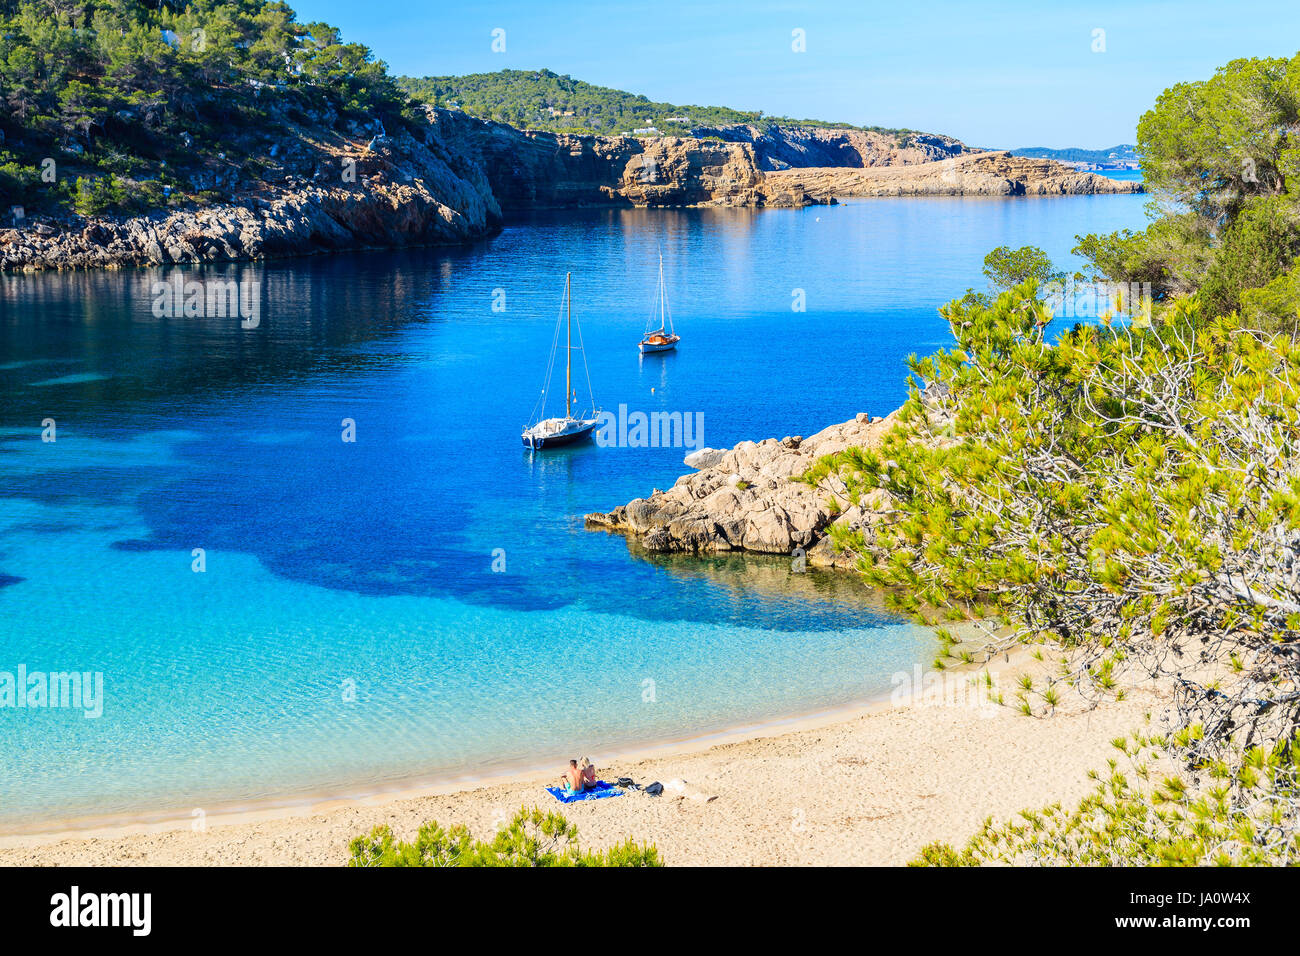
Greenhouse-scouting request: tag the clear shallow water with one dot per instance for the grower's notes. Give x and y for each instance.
(333, 566)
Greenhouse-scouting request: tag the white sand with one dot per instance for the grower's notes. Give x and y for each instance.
(872, 788)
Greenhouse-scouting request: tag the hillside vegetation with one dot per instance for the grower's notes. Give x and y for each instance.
(541, 99)
(129, 106)
(137, 104)
(1222, 160)
(1116, 154)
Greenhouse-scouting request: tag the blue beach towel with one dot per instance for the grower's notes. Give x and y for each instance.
(598, 790)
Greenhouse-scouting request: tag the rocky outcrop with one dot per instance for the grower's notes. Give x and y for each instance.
(978, 174)
(396, 192)
(529, 169)
(746, 499)
(449, 186)
(781, 146)
(454, 181)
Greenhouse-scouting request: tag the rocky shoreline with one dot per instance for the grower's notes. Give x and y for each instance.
(785, 146)
(746, 499)
(450, 187)
(458, 180)
(396, 191)
(970, 174)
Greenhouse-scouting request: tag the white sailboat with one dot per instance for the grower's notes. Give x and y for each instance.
(663, 338)
(551, 432)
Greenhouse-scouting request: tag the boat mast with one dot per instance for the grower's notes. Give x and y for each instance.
(661, 290)
(568, 351)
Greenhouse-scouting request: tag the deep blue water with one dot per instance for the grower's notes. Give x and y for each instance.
(349, 630)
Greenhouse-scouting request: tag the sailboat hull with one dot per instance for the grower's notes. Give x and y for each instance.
(568, 437)
(666, 345)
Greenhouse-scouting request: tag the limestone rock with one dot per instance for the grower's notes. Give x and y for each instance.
(449, 184)
(528, 169)
(405, 193)
(967, 174)
(781, 146)
(745, 499)
(704, 458)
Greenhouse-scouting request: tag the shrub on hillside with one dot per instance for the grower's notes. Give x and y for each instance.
(532, 838)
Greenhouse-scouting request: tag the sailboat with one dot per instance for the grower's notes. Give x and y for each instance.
(550, 432)
(663, 338)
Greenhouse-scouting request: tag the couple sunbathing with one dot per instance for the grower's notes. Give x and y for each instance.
(579, 777)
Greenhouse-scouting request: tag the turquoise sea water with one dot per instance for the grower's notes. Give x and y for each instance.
(1126, 175)
(349, 631)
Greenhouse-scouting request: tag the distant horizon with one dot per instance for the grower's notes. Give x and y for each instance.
(998, 76)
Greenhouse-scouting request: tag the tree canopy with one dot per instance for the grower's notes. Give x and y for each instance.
(542, 99)
(1006, 267)
(1222, 161)
(130, 104)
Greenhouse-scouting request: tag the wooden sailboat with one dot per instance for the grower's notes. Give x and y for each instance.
(551, 432)
(663, 338)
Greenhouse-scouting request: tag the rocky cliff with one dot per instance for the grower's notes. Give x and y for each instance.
(746, 499)
(786, 146)
(528, 169)
(976, 174)
(454, 182)
(395, 191)
(449, 186)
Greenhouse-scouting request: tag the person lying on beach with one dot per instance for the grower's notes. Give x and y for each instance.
(588, 773)
(573, 778)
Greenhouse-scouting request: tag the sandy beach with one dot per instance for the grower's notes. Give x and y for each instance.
(872, 787)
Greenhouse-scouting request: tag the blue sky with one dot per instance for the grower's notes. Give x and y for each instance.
(993, 74)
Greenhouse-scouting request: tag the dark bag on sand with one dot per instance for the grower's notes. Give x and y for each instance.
(655, 789)
(626, 782)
